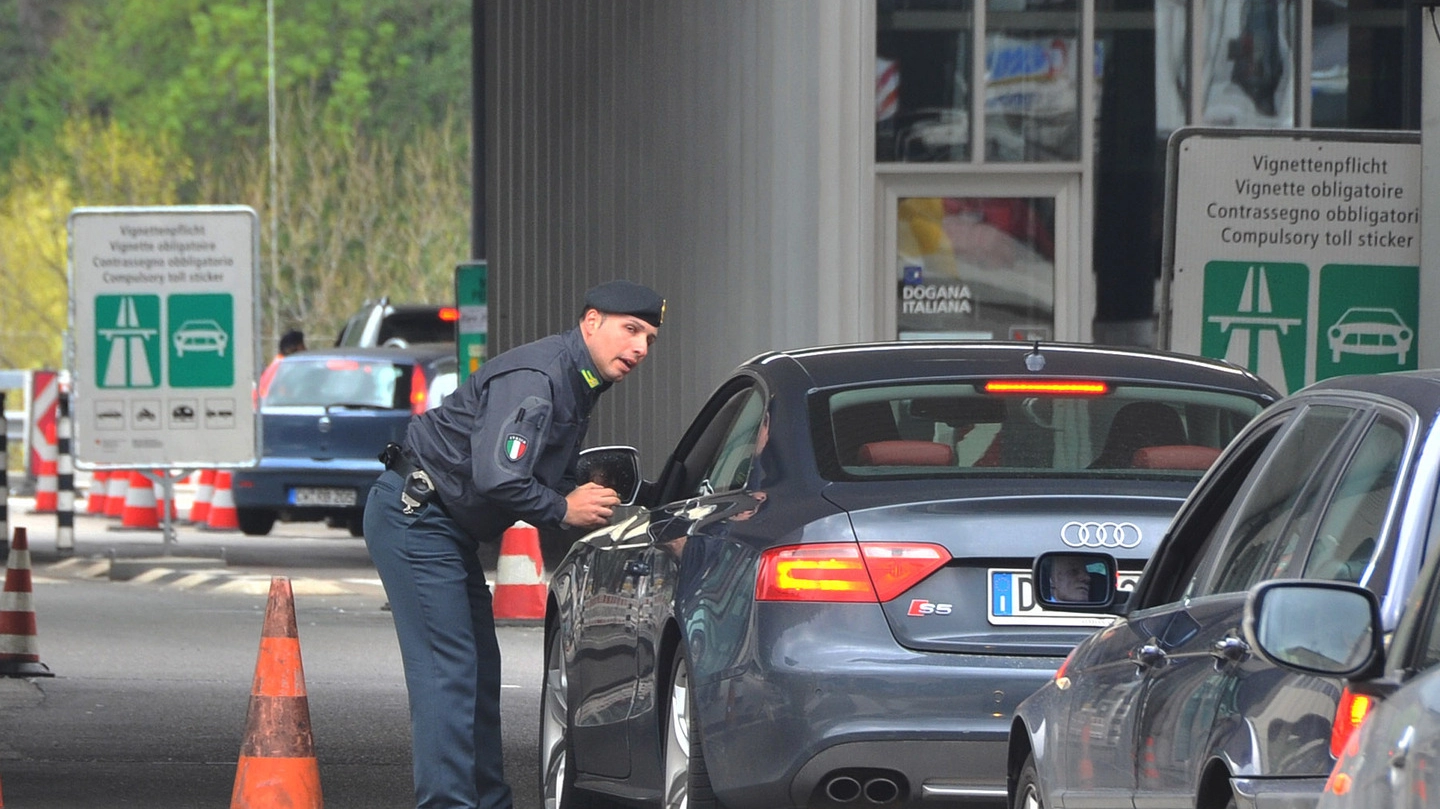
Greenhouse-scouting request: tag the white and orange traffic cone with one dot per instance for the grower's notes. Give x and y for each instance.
(19, 650)
(95, 499)
(115, 490)
(140, 509)
(223, 516)
(519, 592)
(204, 491)
(277, 765)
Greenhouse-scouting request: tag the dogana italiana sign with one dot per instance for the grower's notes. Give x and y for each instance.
(163, 335)
(1294, 253)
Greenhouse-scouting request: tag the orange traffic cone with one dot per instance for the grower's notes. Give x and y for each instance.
(19, 653)
(95, 502)
(277, 764)
(115, 490)
(204, 490)
(140, 510)
(222, 515)
(519, 588)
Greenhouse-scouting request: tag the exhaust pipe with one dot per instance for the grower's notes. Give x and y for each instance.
(842, 789)
(881, 790)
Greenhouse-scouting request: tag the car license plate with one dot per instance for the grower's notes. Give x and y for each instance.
(312, 496)
(1012, 602)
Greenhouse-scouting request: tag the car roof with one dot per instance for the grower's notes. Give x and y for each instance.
(836, 365)
(1419, 390)
(423, 352)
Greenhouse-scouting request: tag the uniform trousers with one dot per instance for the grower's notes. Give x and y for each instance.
(446, 627)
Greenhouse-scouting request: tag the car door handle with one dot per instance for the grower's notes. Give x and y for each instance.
(635, 567)
(1230, 648)
(1148, 656)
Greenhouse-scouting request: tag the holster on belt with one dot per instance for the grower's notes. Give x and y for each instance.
(418, 489)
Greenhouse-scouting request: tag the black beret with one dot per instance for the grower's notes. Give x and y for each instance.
(627, 298)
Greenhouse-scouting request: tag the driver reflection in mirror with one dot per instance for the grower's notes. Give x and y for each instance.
(1069, 580)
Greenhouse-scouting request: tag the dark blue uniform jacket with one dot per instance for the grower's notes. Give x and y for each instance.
(503, 446)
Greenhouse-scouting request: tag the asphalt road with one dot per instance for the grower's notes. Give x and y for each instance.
(153, 674)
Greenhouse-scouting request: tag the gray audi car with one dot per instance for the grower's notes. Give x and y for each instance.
(825, 598)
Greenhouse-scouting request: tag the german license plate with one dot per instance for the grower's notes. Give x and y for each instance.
(316, 496)
(1012, 602)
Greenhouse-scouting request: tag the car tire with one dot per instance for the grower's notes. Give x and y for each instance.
(356, 525)
(1027, 787)
(687, 781)
(255, 522)
(557, 772)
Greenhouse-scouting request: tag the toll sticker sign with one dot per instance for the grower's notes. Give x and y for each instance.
(164, 317)
(1293, 253)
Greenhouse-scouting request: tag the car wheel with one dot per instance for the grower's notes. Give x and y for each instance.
(1027, 788)
(687, 781)
(255, 522)
(557, 776)
(356, 524)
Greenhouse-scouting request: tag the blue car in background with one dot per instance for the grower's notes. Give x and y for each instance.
(326, 415)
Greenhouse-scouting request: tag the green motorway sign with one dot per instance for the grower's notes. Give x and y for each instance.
(1255, 317)
(127, 341)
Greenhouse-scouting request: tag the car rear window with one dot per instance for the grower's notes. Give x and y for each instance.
(416, 327)
(936, 430)
(326, 381)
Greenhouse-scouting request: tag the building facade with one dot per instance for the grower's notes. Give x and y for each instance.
(800, 172)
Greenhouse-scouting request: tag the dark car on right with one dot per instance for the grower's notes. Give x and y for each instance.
(1172, 704)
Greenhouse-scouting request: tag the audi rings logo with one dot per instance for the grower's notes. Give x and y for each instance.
(1078, 534)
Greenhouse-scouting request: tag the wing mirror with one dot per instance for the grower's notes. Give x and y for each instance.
(1332, 629)
(1075, 581)
(615, 467)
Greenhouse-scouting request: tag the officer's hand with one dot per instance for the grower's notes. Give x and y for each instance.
(590, 506)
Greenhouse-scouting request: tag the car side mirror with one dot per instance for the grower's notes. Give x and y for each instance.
(615, 467)
(1284, 625)
(1074, 581)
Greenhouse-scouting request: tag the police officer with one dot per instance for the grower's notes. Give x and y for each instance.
(501, 448)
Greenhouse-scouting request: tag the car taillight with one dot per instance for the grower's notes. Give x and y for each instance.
(419, 390)
(449, 314)
(1354, 708)
(845, 571)
(1048, 387)
(1349, 715)
(1064, 666)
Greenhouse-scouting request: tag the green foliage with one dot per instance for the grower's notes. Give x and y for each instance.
(154, 102)
(93, 165)
(197, 70)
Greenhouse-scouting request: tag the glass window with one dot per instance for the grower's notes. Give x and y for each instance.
(1358, 63)
(976, 267)
(322, 382)
(1350, 531)
(1032, 80)
(923, 71)
(1256, 523)
(731, 468)
(1249, 63)
(951, 429)
(720, 452)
